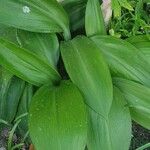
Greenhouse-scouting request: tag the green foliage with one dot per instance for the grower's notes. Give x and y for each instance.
(103, 130)
(109, 77)
(26, 64)
(129, 22)
(124, 59)
(137, 97)
(35, 15)
(94, 21)
(60, 114)
(44, 45)
(90, 74)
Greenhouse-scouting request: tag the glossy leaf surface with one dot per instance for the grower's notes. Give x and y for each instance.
(58, 118)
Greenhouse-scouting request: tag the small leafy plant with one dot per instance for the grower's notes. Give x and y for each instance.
(72, 91)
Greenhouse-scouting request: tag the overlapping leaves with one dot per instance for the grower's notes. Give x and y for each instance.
(138, 98)
(90, 72)
(104, 133)
(124, 59)
(35, 15)
(26, 64)
(46, 46)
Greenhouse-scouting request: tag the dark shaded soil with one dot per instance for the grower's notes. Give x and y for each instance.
(141, 136)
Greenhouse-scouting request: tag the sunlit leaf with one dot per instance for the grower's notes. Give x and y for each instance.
(58, 119)
(116, 8)
(125, 4)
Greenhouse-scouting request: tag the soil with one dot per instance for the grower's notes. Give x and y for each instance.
(140, 137)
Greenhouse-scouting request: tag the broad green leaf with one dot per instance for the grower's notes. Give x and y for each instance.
(10, 92)
(138, 39)
(25, 64)
(35, 15)
(141, 42)
(114, 132)
(58, 118)
(94, 21)
(23, 108)
(44, 45)
(8, 33)
(88, 70)
(138, 98)
(124, 59)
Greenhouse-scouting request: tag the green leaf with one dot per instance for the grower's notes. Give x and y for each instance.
(76, 13)
(58, 118)
(138, 39)
(141, 42)
(117, 4)
(125, 4)
(44, 45)
(26, 65)
(124, 59)
(10, 92)
(116, 8)
(88, 70)
(8, 33)
(105, 133)
(23, 108)
(137, 97)
(35, 15)
(94, 21)
(5, 81)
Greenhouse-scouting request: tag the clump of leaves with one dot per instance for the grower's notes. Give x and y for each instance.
(133, 21)
(108, 84)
